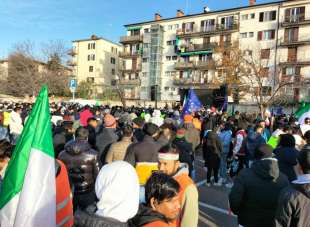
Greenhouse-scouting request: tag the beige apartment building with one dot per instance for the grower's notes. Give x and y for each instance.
(96, 61)
(167, 56)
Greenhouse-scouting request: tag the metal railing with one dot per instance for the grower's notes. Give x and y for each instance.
(129, 39)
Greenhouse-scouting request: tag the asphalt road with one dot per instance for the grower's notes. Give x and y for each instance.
(213, 206)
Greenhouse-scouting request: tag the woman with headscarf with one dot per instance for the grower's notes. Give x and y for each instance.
(117, 190)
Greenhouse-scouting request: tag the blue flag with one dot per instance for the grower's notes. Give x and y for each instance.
(225, 104)
(192, 104)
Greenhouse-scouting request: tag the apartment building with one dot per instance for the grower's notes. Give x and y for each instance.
(96, 61)
(166, 57)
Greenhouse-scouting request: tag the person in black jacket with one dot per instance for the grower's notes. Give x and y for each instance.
(162, 205)
(255, 193)
(185, 149)
(294, 202)
(92, 124)
(287, 154)
(212, 149)
(83, 167)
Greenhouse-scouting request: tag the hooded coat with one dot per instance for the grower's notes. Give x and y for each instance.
(82, 165)
(116, 205)
(294, 204)
(254, 196)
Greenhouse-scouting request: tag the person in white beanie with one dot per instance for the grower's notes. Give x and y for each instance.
(117, 189)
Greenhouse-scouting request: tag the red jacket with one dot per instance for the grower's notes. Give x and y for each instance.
(64, 208)
(84, 115)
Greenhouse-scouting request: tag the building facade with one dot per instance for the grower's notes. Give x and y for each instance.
(166, 57)
(96, 61)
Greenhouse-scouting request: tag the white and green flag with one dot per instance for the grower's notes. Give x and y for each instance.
(28, 194)
(303, 112)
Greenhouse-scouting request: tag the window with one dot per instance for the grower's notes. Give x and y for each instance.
(264, 72)
(243, 35)
(91, 69)
(265, 54)
(174, 58)
(144, 60)
(170, 27)
(174, 42)
(266, 91)
(266, 35)
(268, 16)
(145, 45)
(166, 88)
(291, 34)
(248, 52)
(91, 57)
(169, 43)
(168, 58)
(176, 26)
(90, 79)
(113, 61)
(290, 71)
(251, 34)
(144, 74)
(244, 17)
(113, 72)
(252, 15)
(112, 49)
(207, 25)
(91, 46)
(146, 30)
(295, 14)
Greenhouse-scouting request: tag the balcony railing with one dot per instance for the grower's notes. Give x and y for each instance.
(132, 70)
(298, 19)
(202, 65)
(71, 63)
(198, 31)
(134, 82)
(190, 82)
(287, 43)
(131, 39)
(296, 63)
(128, 54)
(184, 65)
(199, 47)
(72, 52)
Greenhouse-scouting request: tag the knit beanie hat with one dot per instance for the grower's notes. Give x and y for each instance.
(180, 133)
(188, 118)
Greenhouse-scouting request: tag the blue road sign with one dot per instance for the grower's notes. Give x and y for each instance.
(72, 84)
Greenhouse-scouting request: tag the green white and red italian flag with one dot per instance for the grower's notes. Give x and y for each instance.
(28, 195)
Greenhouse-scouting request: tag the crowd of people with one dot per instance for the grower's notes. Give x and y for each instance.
(135, 166)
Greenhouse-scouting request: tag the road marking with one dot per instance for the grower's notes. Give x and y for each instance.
(200, 183)
(218, 209)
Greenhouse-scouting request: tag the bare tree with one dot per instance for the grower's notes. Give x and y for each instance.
(248, 74)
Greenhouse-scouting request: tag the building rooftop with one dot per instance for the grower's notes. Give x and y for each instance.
(208, 13)
(94, 37)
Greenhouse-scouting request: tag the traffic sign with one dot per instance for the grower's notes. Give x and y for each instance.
(72, 84)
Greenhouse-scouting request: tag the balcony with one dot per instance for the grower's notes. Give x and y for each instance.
(72, 52)
(205, 65)
(296, 63)
(131, 39)
(132, 70)
(128, 54)
(129, 82)
(200, 65)
(295, 20)
(71, 63)
(198, 47)
(212, 30)
(291, 43)
(131, 97)
(191, 83)
(183, 65)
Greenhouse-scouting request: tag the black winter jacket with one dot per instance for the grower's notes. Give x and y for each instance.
(294, 205)
(88, 218)
(145, 151)
(145, 216)
(104, 139)
(82, 165)
(255, 193)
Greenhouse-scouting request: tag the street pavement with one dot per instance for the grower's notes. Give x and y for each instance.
(213, 201)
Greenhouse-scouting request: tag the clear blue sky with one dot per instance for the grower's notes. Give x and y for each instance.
(42, 20)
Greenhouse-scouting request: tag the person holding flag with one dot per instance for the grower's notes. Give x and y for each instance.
(28, 194)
